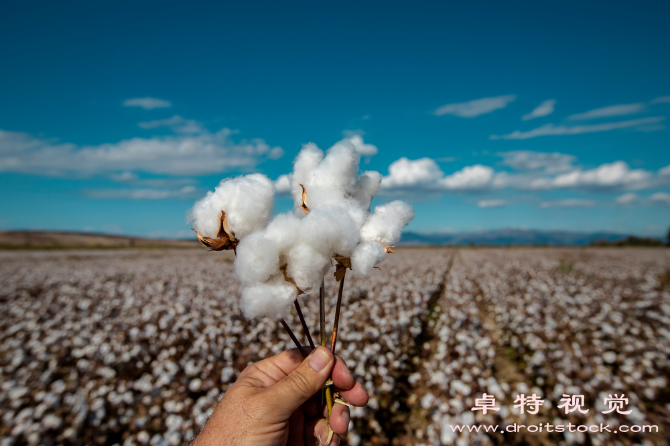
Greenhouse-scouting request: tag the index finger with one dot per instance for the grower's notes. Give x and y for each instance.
(342, 377)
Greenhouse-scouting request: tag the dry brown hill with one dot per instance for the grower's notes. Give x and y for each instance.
(70, 240)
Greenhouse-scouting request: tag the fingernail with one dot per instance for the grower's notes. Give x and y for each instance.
(319, 360)
(345, 417)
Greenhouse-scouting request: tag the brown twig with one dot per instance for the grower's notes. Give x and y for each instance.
(295, 340)
(322, 320)
(337, 314)
(304, 324)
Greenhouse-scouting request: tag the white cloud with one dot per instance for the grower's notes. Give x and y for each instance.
(175, 123)
(568, 203)
(144, 194)
(476, 107)
(544, 109)
(528, 160)
(532, 172)
(425, 175)
(660, 198)
(551, 129)
(201, 154)
(124, 177)
(404, 173)
(612, 110)
(491, 203)
(361, 147)
(627, 199)
(606, 176)
(147, 103)
(661, 100)
(469, 178)
(275, 153)
(164, 183)
(283, 185)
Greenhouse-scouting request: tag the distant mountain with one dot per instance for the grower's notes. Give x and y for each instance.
(503, 237)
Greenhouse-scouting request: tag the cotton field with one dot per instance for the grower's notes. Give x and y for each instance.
(135, 347)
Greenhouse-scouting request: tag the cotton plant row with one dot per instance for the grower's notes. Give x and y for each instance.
(332, 225)
(594, 331)
(180, 323)
(177, 341)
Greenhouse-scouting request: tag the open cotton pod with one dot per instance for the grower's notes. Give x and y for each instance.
(246, 200)
(385, 225)
(274, 297)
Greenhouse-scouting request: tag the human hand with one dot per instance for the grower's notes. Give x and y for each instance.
(274, 402)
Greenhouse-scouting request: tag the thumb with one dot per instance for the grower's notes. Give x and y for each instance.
(292, 391)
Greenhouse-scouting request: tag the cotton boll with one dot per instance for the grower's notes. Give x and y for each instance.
(306, 266)
(284, 231)
(333, 180)
(339, 169)
(304, 168)
(247, 201)
(307, 161)
(366, 256)
(330, 230)
(272, 299)
(205, 215)
(358, 213)
(257, 258)
(327, 180)
(366, 187)
(386, 224)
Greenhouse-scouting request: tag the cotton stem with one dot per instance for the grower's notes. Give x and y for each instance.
(304, 324)
(295, 340)
(322, 319)
(322, 312)
(333, 343)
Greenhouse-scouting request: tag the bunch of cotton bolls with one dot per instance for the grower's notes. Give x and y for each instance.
(247, 201)
(278, 259)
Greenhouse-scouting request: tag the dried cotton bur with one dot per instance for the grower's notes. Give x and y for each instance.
(281, 258)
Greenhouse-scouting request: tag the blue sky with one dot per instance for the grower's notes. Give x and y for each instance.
(116, 117)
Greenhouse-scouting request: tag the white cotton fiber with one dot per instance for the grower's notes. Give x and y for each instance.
(330, 230)
(366, 187)
(299, 246)
(271, 299)
(333, 180)
(304, 169)
(386, 224)
(327, 180)
(284, 230)
(366, 256)
(307, 266)
(257, 258)
(339, 168)
(247, 201)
